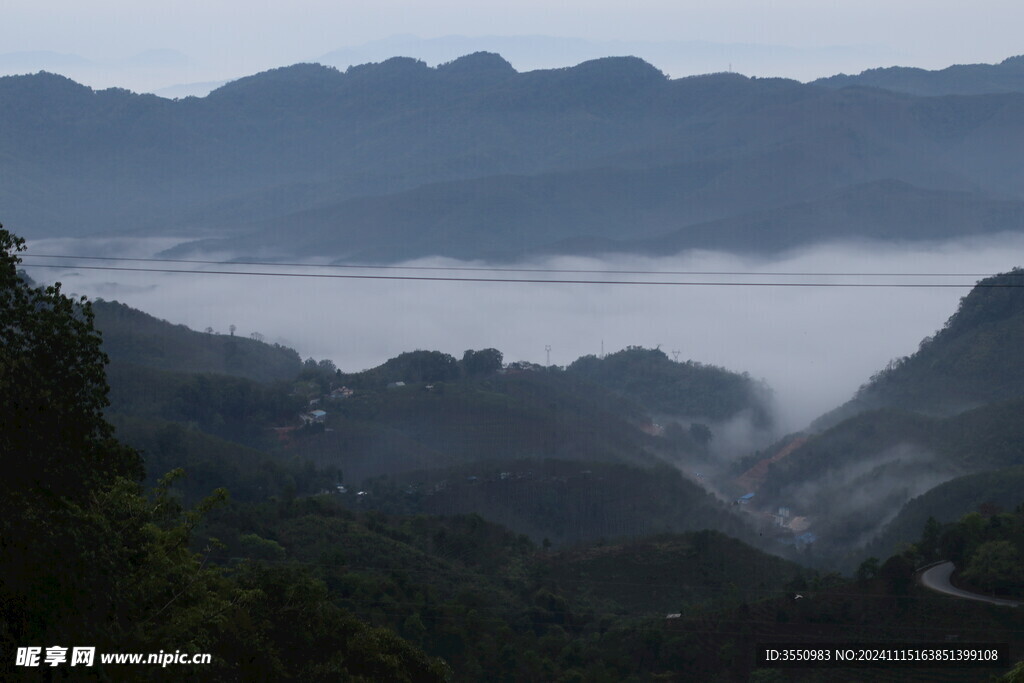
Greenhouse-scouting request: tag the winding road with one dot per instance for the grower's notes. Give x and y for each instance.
(937, 579)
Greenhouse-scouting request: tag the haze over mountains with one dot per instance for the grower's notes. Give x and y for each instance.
(172, 73)
(401, 509)
(472, 159)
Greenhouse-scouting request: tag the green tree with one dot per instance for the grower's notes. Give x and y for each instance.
(58, 456)
(422, 366)
(84, 556)
(259, 548)
(481, 362)
(930, 538)
(898, 574)
(868, 569)
(1016, 675)
(701, 434)
(55, 443)
(996, 566)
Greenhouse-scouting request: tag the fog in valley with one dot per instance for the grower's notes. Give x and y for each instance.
(813, 345)
(544, 342)
(868, 493)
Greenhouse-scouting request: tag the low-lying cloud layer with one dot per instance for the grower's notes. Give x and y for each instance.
(814, 344)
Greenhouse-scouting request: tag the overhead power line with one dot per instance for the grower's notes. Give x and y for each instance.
(499, 269)
(538, 280)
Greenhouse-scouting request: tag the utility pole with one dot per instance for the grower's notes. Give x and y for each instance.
(547, 347)
(675, 355)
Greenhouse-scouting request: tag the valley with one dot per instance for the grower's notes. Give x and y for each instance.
(458, 372)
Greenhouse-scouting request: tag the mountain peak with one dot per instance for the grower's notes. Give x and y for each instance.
(43, 89)
(303, 73)
(478, 64)
(395, 66)
(631, 69)
(991, 301)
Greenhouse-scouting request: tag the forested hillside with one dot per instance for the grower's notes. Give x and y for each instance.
(688, 389)
(994, 490)
(560, 502)
(446, 412)
(974, 359)
(949, 415)
(855, 477)
(133, 337)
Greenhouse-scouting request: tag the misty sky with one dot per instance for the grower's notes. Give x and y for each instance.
(218, 39)
(813, 345)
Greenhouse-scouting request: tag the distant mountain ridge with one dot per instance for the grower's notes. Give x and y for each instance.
(959, 79)
(473, 159)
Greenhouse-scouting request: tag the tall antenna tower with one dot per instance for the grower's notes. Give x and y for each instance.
(547, 348)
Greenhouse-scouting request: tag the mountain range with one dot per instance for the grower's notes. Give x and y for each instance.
(377, 496)
(473, 159)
